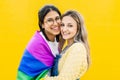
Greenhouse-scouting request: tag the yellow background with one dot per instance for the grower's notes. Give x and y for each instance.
(18, 22)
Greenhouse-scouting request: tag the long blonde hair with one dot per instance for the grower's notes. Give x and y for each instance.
(81, 35)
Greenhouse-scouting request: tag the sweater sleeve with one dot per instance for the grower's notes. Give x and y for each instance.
(75, 64)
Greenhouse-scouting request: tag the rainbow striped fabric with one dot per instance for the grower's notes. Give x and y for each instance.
(37, 59)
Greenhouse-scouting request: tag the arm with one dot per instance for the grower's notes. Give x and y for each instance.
(75, 64)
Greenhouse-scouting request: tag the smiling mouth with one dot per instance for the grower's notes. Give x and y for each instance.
(65, 34)
(56, 28)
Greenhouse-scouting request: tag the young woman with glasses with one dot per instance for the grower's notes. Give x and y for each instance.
(40, 52)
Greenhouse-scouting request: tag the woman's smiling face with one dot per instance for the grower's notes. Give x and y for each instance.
(68, 28)
(52, 23)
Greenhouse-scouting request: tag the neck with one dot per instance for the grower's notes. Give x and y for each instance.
(50, 36)
(70, 42)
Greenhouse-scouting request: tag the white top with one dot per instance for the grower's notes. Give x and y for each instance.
(53, 45)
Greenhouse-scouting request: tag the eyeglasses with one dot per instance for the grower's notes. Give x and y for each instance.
(50, 21)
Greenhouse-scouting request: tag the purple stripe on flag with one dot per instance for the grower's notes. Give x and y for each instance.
(40, 49)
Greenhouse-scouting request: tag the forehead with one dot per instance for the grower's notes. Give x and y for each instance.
(68, 19)
(51, 14)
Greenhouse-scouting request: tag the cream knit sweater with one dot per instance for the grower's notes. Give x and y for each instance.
(73, 63)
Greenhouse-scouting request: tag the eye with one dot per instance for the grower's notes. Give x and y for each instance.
(70, 25)
(57, 18)
(50, 20)
(62, 25)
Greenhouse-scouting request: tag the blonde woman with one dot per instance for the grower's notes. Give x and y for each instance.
(75, 58)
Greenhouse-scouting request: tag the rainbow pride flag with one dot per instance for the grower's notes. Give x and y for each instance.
(37, 59)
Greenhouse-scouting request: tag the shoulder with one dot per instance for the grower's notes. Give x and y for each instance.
(37, 42)
(78, 46)
(37, 38)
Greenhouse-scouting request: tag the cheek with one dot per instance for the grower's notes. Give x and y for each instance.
(74, 31)
(46, 27)
(61, 31)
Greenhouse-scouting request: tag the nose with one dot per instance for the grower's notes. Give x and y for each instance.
(55, 22)
(64, 29)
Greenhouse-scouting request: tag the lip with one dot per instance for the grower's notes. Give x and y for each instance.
(65, 34)
(56, 28)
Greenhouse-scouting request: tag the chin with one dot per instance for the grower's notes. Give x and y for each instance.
(56, 33)
(65, 38)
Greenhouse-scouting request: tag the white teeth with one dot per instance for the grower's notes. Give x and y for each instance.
(65, 33)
